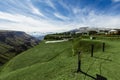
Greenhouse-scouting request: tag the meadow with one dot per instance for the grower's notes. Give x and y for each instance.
(58, 61)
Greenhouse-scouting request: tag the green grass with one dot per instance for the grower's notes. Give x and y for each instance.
(5, 55)
(84, 45)
(4, 48)
(55, 61)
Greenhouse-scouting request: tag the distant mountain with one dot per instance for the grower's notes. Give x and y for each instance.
(13, 43)
(39, 35)
(74, 30)
(86, 29)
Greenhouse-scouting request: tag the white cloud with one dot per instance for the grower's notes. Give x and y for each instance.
(17, 6)
(94, 20)
(79, 19)
(36, 11)
(116, 0)
(50, 3)
(61, 16)
(66, 6)
(28, 24)
(76, 10)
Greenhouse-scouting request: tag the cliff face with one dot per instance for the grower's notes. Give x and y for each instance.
(13, 43)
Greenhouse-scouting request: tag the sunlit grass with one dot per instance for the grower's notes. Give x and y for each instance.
(55, 61)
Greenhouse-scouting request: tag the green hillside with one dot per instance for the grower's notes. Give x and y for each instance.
(13, 43)
(55, 61)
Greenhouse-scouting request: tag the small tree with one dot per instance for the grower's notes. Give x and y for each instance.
(92, 32)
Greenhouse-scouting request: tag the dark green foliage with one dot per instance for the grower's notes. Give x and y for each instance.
(85, 36)
(92, 32)
(76, 35)
(85, 45)
(56, 37)
(110, 37)
(61, 36)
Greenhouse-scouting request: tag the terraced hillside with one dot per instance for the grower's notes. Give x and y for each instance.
(55, 61)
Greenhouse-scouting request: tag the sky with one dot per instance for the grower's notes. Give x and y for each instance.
(58, 15)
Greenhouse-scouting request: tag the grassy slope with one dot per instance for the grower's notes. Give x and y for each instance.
(56, 62)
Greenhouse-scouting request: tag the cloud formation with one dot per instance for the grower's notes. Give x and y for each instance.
(116, 0)
(57, 16)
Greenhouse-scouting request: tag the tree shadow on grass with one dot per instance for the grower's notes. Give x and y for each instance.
(98, 77)
(87, 75)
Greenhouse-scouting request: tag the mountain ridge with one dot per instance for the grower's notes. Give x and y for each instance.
(13, 43)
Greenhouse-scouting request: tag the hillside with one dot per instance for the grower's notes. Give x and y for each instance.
(55, 61)
(13, 43)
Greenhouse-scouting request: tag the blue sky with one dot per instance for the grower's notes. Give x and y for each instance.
(58, 15)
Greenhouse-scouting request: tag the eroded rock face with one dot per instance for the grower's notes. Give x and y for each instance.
(15, 42)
